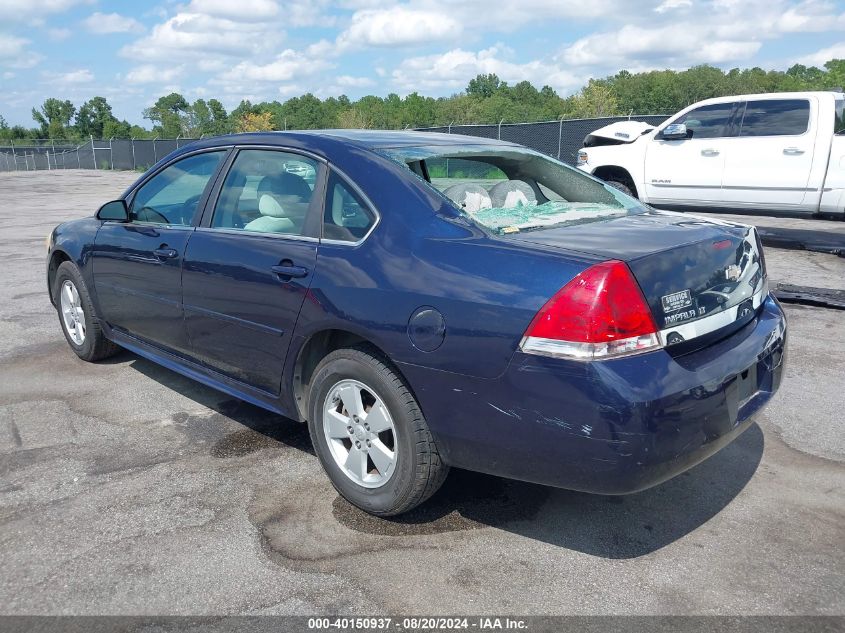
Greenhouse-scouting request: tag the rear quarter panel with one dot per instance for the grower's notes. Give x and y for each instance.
(423, 253)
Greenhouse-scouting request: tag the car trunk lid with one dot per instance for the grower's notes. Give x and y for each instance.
(697, 275)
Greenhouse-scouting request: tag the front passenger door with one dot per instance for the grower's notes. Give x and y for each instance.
(138, 264)
(249, 266)
(689, 171)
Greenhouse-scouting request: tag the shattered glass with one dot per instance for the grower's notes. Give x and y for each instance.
(524, 217)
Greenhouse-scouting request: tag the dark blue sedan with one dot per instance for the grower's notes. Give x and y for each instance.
(425, 301)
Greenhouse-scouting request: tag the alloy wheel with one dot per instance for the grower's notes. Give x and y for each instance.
(72, 313)
(360, 433)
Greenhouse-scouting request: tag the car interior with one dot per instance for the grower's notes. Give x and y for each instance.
(505, 182)
(260, 195)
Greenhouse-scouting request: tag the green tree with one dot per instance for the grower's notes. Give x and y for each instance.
(255, 122)
(484, 86)
(117, 129)
(219, 119)
(54, 117)
(92, 118)
(170, 115)
(597, 99)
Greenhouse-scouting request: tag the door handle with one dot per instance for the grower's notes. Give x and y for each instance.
(793, 151)
(289, 271)
(166, 253)
(709, 152)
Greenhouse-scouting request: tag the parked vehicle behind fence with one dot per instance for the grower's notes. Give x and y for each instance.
(428, 300)
(777, 152)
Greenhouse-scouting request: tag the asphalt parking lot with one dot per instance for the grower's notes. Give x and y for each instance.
(127, 489)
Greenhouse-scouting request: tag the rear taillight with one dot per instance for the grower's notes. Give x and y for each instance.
(601, 313)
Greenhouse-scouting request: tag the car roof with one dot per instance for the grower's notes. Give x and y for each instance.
(317, 140)
(380, 139)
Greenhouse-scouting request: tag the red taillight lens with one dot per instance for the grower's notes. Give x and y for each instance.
(600, 313)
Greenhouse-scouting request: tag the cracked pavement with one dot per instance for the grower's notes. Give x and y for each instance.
(128, 489)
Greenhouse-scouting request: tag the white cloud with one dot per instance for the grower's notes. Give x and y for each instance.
(11, 46)
(288, 65)
(102, 23)
(837, 51)
(811, 15)
(57, 35)
(348, 81)
(198, 34)
(34, 10)
(453, 70)
(661, 46)
(15, 54)
(149, 74)
(398, 26)
(73, 77)
(670, 5)
(508, 15)
(243, 10)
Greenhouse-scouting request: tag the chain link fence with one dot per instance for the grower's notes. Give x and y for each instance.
(127, 154)
(561, 139)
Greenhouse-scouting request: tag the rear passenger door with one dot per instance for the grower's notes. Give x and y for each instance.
(768, 164)
(249, 265)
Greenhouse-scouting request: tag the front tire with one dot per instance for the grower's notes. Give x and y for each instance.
(79, 321)
(370, 435)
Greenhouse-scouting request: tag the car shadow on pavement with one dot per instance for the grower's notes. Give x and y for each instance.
(261, 428)
(614, 527)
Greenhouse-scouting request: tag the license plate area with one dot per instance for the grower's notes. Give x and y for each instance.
(747, 385)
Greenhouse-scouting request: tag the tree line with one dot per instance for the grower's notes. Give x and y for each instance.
(486, 99)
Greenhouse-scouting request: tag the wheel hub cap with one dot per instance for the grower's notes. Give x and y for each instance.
(360, 433)
(73, 315)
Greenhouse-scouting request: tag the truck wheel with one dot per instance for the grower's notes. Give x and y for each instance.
(80, 324)
(622, 187)
(370, 435)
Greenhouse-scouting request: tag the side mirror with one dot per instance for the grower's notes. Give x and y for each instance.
(674, 132)
(114, 210)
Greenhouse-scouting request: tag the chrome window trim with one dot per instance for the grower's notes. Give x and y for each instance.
(369, 204)
(282, 148)
(284, 236)
(129, 198)
(226, 169)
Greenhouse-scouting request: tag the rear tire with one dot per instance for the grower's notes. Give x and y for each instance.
(622, 187)
(388, 463)
(79, 321)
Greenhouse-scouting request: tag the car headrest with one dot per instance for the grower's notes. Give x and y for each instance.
(268, 224)
(285, 184)
(512, 193)
(471, 198)
(270, 207)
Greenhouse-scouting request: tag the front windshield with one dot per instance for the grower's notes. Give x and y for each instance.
(513, 189)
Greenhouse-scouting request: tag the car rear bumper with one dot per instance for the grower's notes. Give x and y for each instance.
(610, 427)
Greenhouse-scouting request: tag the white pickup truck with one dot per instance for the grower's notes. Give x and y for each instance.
(777, 152)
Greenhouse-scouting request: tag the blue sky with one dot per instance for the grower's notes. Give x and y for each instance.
(133, 52)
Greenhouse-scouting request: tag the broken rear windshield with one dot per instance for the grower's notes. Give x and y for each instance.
(513, 189)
